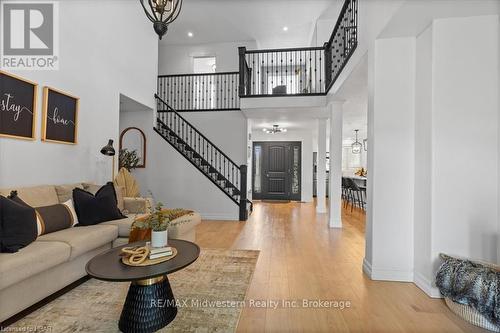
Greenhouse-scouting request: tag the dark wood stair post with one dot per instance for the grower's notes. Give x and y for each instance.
(242, 87)
(243, 193)
(328, 64)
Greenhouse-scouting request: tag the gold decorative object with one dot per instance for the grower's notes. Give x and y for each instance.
(361, 172)
(135, 255)
(139, 256)
(125, 179)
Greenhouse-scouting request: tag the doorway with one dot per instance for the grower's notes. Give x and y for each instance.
(277, 167)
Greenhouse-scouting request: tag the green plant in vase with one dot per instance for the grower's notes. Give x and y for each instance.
(159, 220)
(128, 159)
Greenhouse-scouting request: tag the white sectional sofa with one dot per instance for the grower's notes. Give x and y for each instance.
(58, 259)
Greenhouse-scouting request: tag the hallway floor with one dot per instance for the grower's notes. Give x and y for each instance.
(301, 258)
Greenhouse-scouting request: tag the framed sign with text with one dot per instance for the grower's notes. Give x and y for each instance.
(60, 116)
(17, 107)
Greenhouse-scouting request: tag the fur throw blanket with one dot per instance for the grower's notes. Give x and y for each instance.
(471, 283)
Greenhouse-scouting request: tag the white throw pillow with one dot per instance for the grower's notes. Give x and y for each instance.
(71, 208)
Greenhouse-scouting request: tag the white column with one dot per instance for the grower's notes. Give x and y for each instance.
(321, 168)
(335, 194)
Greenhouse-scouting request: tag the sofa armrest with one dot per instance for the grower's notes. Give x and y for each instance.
(137, 205)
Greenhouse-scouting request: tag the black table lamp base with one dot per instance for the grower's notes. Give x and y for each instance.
(149, 306)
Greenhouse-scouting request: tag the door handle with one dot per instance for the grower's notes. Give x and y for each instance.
(267, 175)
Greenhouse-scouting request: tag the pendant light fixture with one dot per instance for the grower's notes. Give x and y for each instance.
(161, 13)
(356, 146)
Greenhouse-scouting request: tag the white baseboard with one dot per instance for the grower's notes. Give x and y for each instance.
(427, 286)
(392, 275)
(402, 276)
(386, 274)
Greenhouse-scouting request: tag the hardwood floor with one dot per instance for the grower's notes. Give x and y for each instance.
(301, 258)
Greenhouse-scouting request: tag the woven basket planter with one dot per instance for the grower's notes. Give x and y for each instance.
(470, 315)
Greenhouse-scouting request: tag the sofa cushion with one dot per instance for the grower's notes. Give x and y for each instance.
(51, 218)
(18, 227)
(36, 196)
(83, 239)
(65, 192)
(33, 259)
(101, 207)
(124, 224)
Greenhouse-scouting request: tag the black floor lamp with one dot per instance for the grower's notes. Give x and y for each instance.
(108, 150)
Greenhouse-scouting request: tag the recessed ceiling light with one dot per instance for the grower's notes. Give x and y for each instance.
(285, 28)
(190, 34)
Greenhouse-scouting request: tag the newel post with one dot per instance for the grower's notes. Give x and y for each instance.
(328, 64)
(243, 193)
(241, 52)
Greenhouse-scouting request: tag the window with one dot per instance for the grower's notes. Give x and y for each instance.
(204, 87)
(203, 65)
(258, 165)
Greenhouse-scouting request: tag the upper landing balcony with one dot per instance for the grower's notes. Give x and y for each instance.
(305, 72)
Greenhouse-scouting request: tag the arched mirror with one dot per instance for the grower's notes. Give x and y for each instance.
(132, 139)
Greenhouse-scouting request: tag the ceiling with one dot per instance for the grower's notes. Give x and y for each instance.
(215, 21)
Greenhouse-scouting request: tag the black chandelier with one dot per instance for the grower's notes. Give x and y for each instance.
(162, 13)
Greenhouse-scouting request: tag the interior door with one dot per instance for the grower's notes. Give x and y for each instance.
(276, 170)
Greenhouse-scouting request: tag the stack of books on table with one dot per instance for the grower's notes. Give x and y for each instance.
(160, 252)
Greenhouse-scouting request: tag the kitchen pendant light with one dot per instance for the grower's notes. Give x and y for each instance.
(356, 146)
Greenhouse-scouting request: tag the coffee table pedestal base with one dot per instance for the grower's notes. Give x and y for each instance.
(150, 306)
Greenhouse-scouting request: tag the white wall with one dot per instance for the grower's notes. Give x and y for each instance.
(142, 118)
(173, 180)
(423, 161)
(465, 134)
(178, 59)
(97, 63)
(434, 185)
(392, 166)
(306, 137)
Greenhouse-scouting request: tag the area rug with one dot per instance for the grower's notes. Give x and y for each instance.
(217, 275)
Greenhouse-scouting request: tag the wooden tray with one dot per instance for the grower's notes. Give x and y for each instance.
(149, 262)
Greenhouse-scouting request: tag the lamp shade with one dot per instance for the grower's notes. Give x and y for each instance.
(108, 149)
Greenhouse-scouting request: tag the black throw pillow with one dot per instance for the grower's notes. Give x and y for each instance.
(93, 209)
(17, 225)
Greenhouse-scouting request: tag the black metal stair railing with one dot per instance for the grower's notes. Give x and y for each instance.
(204, 155)
(200, 92)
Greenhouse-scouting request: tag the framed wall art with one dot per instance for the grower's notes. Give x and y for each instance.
(60, 116)
(18, 99)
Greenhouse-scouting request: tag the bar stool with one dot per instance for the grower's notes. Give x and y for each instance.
(355, 194)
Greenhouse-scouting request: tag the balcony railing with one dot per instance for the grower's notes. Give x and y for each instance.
(304, 71)
(342, 42)
(282, 72)
(300, 71)
(200, 92)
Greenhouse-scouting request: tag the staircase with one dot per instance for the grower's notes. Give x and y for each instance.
(230, 178)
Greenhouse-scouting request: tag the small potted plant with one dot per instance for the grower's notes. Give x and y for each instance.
(159, 227)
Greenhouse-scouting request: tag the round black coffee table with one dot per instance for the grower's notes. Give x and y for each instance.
(150, 303)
